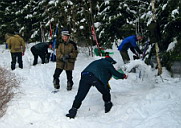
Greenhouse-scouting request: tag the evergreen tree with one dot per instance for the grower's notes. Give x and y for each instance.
(113, 19)
(7, 16)
(120, 19)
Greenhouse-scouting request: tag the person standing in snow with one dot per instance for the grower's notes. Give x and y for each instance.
(66, 54)
(41, 50)
(16, 45)
(129, 42)
(97, 74)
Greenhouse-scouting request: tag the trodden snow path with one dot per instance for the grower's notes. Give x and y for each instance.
(148, 102)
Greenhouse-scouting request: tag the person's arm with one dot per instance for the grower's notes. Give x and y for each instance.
(138, 50)
(132, 49)
(23, 45)
(74, 52)
(135, 47)
(46, 51)
(8, 41)
(117, 74)
(46, 48)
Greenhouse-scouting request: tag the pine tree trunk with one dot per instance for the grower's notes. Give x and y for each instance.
(156, 43)
(158, 59)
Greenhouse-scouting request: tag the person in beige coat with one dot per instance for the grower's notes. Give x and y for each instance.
(16, 45)
(66, 54)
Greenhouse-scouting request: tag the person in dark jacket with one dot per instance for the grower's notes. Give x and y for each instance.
(41, 50)
(129, 42)
(66, 54)
(97, 74)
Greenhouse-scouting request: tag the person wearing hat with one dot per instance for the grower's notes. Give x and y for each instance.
(41, 50)
(97, 73)
(66, 54)
(17, 47)
(129, 42)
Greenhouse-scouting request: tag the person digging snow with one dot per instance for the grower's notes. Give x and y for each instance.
(130, 42)
(98, 73)
(41, 50)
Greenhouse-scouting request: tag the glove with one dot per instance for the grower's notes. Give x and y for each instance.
(136, 56)
(125, 76)
(23, 53)
(65, 58)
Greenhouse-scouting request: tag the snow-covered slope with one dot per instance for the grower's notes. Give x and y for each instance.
(148, 101)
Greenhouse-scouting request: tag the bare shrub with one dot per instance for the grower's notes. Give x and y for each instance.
(8, 84)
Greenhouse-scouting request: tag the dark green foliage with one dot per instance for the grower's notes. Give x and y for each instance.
(169, 19)
(113, 20)
(168, 58)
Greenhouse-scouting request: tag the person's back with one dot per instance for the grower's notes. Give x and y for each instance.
(41, 50)
(103, 69)
(99, 68)
(41, 46)
(128, 42)
(16, 44)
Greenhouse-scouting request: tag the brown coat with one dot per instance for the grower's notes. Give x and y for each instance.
(16, 44)
(66, 49)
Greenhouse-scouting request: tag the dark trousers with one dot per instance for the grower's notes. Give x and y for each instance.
(57, 73)
(37, 53)
(125, 56)
(14, 57)
(85, 84)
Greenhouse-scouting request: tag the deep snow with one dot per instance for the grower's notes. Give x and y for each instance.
(147, 102)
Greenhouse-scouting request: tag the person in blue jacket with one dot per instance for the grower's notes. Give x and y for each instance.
(129, 42)
(98, 73)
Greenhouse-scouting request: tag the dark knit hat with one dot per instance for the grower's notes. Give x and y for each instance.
(65, 32)
(110, 59)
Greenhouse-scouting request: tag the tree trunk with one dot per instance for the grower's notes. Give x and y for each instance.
(156, 43)
(158, 59)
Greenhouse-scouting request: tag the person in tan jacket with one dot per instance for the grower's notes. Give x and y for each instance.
(66, 54)
(16, 45)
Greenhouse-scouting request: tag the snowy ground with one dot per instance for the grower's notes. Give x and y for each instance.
(146, 102)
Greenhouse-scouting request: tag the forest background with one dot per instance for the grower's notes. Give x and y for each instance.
(113, 20)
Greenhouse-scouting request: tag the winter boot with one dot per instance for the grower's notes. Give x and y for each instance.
(69, 86)
(21, 65)
(34, 63)
(56, 84)
(72, 113)
(108, 105)
(13, 66)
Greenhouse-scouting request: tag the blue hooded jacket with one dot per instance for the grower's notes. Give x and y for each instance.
(129, 42)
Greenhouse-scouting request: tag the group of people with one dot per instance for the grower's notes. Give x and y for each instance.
(17, 47)
(66, 53)
(97, 73)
